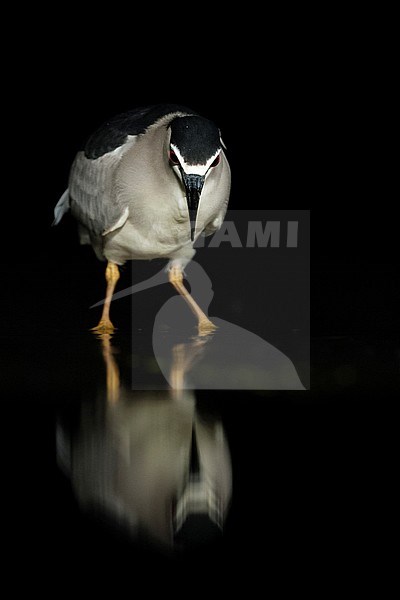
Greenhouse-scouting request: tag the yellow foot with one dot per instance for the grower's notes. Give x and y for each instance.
(205, 327)
(105, 326)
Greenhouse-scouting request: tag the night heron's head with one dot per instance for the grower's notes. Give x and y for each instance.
(194, 151)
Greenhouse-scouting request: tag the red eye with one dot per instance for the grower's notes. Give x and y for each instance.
(216, 161)
(173, 158)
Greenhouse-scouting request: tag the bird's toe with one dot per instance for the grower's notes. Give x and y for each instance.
(205, 327)
(105, 326)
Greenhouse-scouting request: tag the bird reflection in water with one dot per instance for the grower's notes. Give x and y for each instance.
(148, 460)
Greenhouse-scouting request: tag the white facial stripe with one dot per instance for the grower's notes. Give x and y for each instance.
(194, 169)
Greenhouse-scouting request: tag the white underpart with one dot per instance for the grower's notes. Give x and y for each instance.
(195, 169)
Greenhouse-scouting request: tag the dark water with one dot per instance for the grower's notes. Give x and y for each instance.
(305, 466)
(301, 462)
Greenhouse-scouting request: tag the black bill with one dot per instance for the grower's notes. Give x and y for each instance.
(193, 186)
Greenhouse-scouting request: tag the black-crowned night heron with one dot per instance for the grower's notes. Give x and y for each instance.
(147, 184)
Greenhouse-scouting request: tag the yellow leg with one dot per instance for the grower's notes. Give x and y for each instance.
(205, 326)
(112, 276)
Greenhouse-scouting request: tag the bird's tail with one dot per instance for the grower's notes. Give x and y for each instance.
(61, 207)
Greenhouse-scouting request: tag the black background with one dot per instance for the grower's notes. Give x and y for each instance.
(309, 469)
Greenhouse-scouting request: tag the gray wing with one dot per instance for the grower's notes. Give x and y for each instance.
(93, 200)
